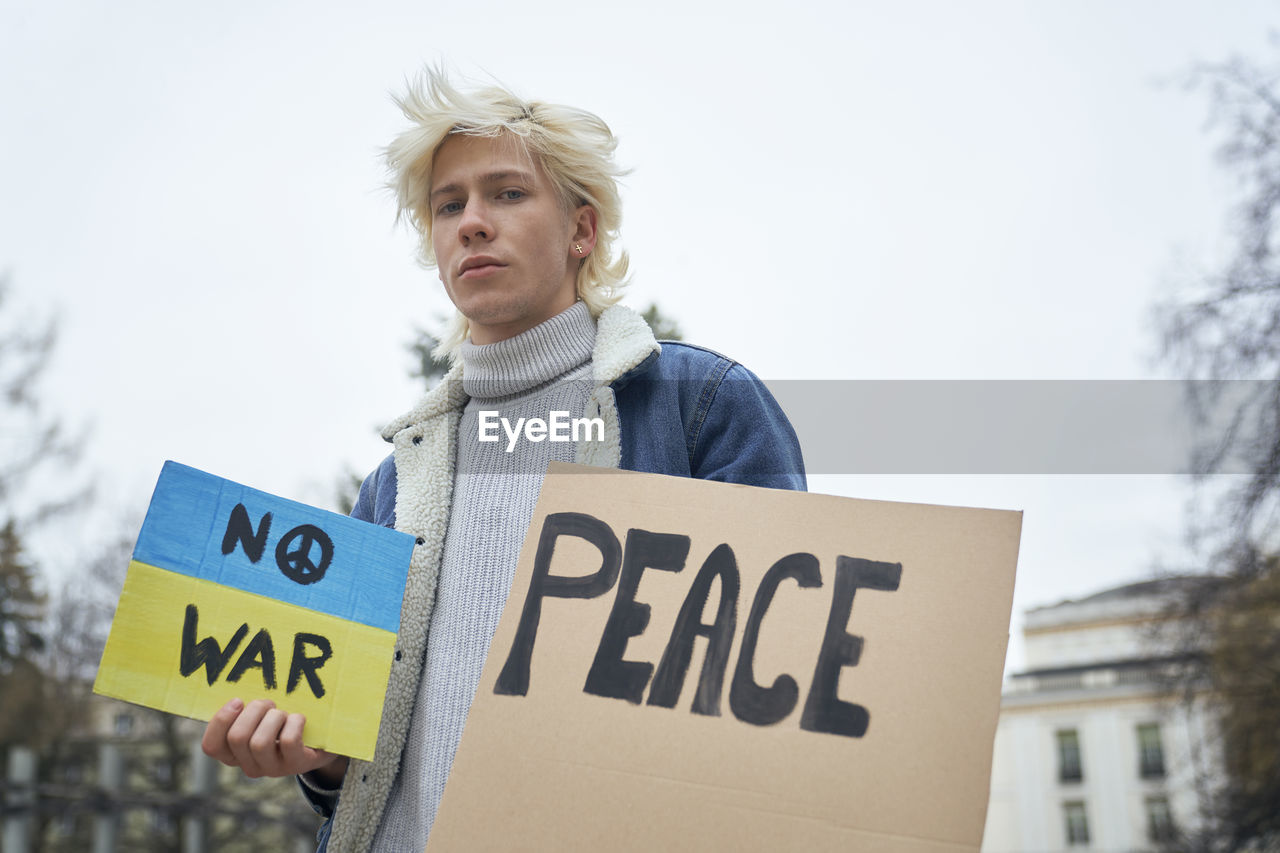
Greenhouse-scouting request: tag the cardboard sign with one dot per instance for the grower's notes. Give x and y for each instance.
(689, 665)
(235, 592)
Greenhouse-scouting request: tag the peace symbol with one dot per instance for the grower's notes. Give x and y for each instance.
(296, 563)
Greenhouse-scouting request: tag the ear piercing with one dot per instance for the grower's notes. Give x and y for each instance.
(577, 247)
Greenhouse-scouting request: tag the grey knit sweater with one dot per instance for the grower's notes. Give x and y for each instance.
(545, 369)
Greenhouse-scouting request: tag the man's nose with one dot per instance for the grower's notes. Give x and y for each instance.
(475, 223)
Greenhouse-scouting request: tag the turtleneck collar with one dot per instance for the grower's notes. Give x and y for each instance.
(536, 357)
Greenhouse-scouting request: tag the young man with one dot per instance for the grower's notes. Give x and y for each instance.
(518, 208)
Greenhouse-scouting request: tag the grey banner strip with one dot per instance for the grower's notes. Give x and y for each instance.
(999, 427)
(1011, 427)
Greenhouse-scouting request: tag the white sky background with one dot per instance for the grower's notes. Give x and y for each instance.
(821, 190)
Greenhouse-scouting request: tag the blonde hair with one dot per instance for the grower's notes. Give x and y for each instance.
(574, 147)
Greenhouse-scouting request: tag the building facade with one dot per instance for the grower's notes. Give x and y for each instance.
(132, 779)
(1087, 754)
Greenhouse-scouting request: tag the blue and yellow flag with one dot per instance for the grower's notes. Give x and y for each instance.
(235, 592)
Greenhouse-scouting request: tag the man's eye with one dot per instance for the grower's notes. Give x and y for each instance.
(449, 207)
(511, 195)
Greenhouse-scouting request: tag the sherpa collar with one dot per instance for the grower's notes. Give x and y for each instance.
(624, 342)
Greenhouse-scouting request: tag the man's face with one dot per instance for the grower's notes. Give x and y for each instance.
(504, 245)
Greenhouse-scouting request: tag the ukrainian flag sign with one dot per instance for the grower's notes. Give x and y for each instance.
(235, 592)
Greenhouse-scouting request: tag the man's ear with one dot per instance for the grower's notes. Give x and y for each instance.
(584, 231)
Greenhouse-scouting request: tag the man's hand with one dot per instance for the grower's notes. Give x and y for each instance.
(262, 740)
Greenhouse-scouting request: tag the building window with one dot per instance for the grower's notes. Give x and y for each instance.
(1069, 769)
(1159, 820)
(162, 821)
(1077, 824)
(1150, 752)
(124, 724)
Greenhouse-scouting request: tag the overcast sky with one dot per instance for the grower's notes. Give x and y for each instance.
(821, 190)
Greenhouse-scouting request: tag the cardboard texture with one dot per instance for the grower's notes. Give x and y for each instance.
(862, 719)
(235, 592)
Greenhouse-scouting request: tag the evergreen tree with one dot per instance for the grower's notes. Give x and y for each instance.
(665, 328)
(22, 642)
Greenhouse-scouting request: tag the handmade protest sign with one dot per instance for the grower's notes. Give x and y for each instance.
(235, 592)
(690, 665)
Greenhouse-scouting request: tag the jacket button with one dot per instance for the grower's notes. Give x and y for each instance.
(417, 439)
(421, 541)
(364, 777)
(398, 653)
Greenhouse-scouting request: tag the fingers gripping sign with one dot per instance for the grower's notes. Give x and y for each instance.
(263, 740)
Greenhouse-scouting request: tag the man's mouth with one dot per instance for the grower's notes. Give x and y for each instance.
(481, 265)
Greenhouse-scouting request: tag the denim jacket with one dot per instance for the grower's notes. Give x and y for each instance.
(671, 409)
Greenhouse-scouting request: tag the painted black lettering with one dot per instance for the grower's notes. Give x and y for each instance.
(514, 678)
(610, 675)
(295, 560)
(302, 665)
(259, 653)
(207, 652)
(669, 679)
(240, 529)
(823, 711)
(751, 703)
